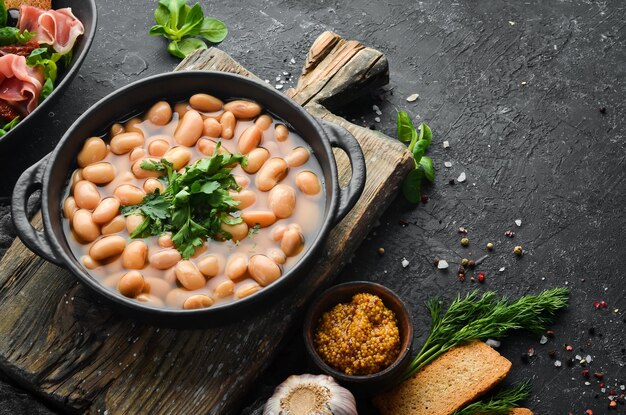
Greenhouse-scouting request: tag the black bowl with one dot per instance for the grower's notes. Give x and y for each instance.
(86, 12)
(52, 174)
(343, 293)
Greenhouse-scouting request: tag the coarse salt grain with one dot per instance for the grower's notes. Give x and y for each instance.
(375, 107)
(292, 60)
(493, 343)
(518, 222)
(588, 358)
(543, 340)
(278, 86)
(442, 264)
(405, 263)
(377, 119)
(412, 97)
(446, 144)
(502, 269)
(447, 164)
(462, 177)
(557, 363)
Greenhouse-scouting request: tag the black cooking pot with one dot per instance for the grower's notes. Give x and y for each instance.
(52, 174)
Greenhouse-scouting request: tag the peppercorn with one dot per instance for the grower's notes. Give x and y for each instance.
(518, 250)
(472, 279)
(602, 110)
(509, 234)
(451, 182)
(471, 263)
(464, 262)
(381, 251)
(465, 241)
(461, 277)
(436, 261)
(481, 277)
(598, 375)
(462, 230)
(490, 246)
(424, 198)
(585, 372)
(612, 404)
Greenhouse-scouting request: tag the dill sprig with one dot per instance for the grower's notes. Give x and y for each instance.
(476, 317)
(500, 404)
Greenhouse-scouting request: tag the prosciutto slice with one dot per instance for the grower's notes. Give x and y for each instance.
(20, 85)
(59, 28)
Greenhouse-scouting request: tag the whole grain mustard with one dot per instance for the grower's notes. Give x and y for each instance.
(360, 337)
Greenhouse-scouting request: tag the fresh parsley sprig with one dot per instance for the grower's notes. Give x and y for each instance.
(193, 205)
(500, 404)
(186, 27)
(8, 126)
(476, 317)
(418, 143)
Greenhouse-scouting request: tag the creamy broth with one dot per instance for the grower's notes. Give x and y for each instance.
(162, 288)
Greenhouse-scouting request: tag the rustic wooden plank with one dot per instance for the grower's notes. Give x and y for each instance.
(61, 343)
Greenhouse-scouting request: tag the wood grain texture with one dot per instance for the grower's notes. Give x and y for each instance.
(61, 343)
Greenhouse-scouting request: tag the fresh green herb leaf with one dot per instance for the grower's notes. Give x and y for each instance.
(179, 23)
(12, 35)
(500, 404)
(429, 171)
(483, 317)
(418, 143)
(193, 205)
(185, 47)
(426, 134)
(8, 126)
(412, 186)
(3, 14)
(48, 61)
(406, 130)
(213, 30)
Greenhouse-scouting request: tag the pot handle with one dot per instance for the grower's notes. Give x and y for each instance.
(26, 185)
(349, 195)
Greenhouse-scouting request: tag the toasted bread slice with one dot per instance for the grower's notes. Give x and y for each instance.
(449, 383)
(15, 4)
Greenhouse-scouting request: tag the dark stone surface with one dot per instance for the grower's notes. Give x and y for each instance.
(516, 88)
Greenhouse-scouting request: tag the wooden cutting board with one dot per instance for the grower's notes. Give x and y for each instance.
(62, 344)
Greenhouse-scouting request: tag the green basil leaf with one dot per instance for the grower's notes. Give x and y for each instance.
(412, 186)
(213, 30)
(158, 30)
(174, 50)
(193, 20)
(8, 126)
(419, 149)
(406, 131)
(162, 15)
(3, 14)
(12, 36)
(47, 89)
(190, 44)
(176, 7)
(426, 134)
(429, 170)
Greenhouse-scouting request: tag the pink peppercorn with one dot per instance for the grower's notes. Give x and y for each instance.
(481, 277)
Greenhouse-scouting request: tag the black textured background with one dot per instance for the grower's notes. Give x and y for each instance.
(516, 87)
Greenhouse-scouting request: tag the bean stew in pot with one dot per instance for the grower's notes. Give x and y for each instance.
(194, 203)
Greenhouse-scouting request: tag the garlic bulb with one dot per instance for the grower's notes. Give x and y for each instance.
(310, 395)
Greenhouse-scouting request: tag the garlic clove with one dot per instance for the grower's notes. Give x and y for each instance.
(310, 395)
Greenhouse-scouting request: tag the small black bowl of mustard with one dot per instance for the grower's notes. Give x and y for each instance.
(361, 334)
